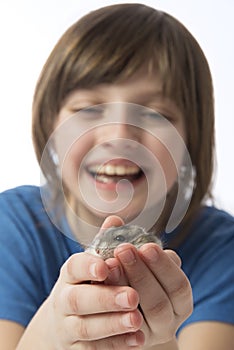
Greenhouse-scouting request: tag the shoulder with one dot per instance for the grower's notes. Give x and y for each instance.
(207, 252)
(19, 198)
(22, 213)
(21, 192)
(210, 243)
(25, 219)
(212, 229)
(23, 222)
(27, 227)
(214, 218)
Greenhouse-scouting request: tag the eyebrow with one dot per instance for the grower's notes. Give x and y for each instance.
(150, 95)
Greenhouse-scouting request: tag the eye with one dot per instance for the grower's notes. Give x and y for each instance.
(93, 110)
(120, 238)
(89, 112)
(152, 115)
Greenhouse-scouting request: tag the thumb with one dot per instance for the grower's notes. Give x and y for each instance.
(111, 221)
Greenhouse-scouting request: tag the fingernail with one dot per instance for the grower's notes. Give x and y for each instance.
(127, 257)
(131, 340)
(121, 299)
(114, 275)
(135, 339)
(151, 254)
(126, 321)
(92, 269)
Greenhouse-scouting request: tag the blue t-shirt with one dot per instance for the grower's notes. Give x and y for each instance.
(32, 251)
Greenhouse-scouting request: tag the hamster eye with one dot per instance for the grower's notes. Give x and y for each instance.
(120, 238)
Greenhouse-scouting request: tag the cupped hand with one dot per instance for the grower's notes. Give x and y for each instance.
(164, 290)
(86, 315)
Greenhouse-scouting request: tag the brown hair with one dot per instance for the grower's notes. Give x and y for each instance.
(111, 44)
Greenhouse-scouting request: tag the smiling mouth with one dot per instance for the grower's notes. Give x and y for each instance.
(110, 173)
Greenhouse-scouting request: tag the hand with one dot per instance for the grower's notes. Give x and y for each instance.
(164, 290)
(92, 315)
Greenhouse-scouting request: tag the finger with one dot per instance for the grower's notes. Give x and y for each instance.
(173, 256)
(99, 326)
(116, 273)
(90, 267)
(89, 299)
(170, 276)
(112, 220)
(82, 267)
(154, 300)
(117, 342)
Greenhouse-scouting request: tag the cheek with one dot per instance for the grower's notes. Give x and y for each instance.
(169, 160)
(71, 160)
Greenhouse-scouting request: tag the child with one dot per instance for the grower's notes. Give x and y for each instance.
(123, 130)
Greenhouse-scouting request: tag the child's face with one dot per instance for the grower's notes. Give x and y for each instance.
(119, 156)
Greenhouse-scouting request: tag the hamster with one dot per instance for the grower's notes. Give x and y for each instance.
(107, 240)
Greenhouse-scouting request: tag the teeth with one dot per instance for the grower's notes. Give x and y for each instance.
(111, 170)
(120, 170)
(103, 179)
(108, 169)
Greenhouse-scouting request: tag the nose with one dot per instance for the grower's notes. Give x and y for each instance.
(119, 130)
(119, 136)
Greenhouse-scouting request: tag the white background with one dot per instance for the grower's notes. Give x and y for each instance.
(30, 29)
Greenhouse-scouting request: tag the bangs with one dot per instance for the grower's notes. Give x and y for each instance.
(111, 48)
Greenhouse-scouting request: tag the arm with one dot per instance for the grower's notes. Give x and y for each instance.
(208, 336)
(10, 332)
